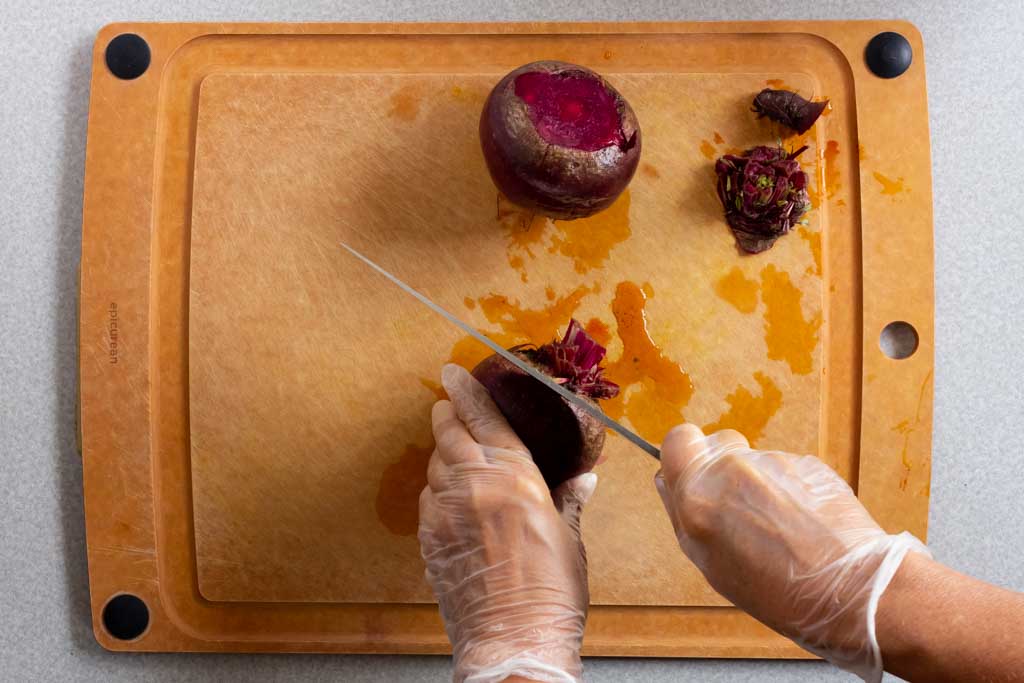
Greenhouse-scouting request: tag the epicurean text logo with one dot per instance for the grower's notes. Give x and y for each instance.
(112, 333)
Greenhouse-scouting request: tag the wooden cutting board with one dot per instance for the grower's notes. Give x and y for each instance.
(255, 403)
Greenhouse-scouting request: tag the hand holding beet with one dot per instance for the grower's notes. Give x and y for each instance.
(503, 554)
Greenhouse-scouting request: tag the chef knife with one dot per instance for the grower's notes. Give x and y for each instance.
(614, 425)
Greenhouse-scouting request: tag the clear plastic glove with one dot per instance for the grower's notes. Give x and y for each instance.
(784, 538)
(503, 553)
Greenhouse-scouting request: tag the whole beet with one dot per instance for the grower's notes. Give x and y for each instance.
(559, 140)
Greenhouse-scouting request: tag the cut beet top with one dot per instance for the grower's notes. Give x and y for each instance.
(563, 439)
(764, 193)
(558, 139)
(571, 109)
(788, 108)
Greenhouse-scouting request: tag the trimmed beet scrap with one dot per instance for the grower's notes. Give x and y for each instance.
(788, 108)
(564, 439)
(559, 140)
(764, 193)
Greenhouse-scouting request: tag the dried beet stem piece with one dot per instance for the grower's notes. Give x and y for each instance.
(788, 108)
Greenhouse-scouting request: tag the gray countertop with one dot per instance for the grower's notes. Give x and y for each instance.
(977, 522)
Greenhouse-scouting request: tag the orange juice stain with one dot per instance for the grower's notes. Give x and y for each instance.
(469, 95)
(789, 336)
(654, 388)
(524, 230)
(718, 138)
(549, 292)
(813, 194)
(537, 326)
(861, 154)
(908, 427)
(398, 495)
(831, 168)
(905, 429)
(589, 241)
(607, 54)
(827, 111)
(649, 170)
(468, 352)
(889, 186)
(405, 104)
(707, 149)
(813, 240)
(435, 388)
(737, 290)
(599, 331)
(516, 262)
(777, 83)
(749, 414)
(470, 304)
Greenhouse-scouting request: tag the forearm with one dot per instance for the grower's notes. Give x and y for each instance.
(935, 624)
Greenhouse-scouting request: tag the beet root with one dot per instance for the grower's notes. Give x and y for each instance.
(559, 140)
(564, 439)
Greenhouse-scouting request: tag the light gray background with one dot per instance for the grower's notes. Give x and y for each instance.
(977, 522)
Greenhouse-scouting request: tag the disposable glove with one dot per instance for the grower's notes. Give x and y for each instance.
(784, 538)
(503, 553)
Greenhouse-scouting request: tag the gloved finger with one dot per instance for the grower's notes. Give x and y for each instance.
(726, 441)
(519, 460)
(571, 495)
(772, 465)
(437, 473)
(707, 453)
(659, 484)
(819, 477)
(454, 444)
(476, 409)
(805, 477)
(429, 512)
(682, 446)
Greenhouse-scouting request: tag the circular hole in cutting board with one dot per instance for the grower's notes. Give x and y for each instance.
(125, 617)
(898, 340)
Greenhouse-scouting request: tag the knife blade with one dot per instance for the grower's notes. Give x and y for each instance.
(593, 410)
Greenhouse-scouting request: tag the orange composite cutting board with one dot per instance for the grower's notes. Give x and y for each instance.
(255, 402)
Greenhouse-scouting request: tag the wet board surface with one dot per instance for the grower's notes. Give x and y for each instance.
(288, 387)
